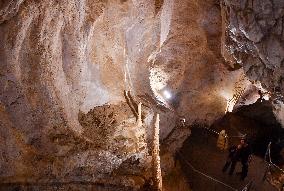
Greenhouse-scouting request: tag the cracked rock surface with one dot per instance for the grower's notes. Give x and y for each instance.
(65, 66)
(253, 37)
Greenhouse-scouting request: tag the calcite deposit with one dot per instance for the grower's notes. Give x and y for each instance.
(253, 38)
(72, 74)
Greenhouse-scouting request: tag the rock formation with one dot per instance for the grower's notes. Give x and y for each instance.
(65, 67)
(253, 38)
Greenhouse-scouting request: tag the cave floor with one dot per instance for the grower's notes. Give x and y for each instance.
(83, 186)
(201, 151)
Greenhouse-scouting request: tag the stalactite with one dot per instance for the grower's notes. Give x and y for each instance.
(130, 102)
(239, 91)
(222, 141)
(139, 117)
(156, 157)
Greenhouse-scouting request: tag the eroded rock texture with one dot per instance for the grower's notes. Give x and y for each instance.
(65, 67)
(57, 58)
(253, 37)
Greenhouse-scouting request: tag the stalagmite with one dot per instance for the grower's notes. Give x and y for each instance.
(156, 157)
(139, 117)
(72, 74)
(222, 142)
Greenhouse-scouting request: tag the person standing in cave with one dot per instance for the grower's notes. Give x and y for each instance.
(233, 157)
(242, 153)
(245, 157)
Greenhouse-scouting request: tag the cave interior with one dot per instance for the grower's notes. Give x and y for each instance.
(141, 95)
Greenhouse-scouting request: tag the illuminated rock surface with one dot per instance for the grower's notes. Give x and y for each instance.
(254, 37)
(65, 67)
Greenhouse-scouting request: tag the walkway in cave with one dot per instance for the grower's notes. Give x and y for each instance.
(201, 151)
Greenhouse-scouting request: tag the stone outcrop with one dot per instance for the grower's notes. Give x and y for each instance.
(59, 60)
(65, 67)
(253, 38)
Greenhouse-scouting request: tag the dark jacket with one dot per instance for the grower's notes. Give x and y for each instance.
(245, 152)
(234, 153)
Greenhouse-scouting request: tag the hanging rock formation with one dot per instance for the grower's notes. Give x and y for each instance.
(65, 65)
(253, 37)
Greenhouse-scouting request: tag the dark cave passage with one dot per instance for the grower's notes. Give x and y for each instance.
(201, 152)
(258, 123)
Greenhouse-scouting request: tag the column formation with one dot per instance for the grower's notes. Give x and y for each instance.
(156, 157)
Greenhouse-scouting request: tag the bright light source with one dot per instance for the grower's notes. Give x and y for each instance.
(167, 94)
(230, 106)
(266, 96)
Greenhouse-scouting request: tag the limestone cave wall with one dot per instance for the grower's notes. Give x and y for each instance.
(65, 67)
(253, 38)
